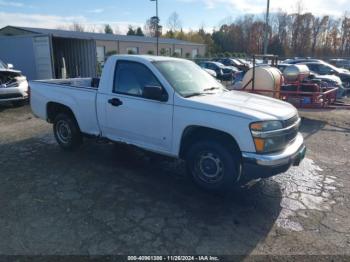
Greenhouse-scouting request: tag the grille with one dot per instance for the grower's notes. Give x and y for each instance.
(292, 134)
(291, 121)
(9, 96)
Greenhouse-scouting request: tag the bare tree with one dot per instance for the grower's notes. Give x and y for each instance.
(174, 23)
(345, 35)
(318, 27)
(77, 27)
(150, 28)
(92, 28)
(117, 30)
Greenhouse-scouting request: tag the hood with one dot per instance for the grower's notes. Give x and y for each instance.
(10, 71)
(242, 104)
(329, 77)
(344, 71)
(210, 72)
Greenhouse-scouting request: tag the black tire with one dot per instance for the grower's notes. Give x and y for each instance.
(214, 166)
(19, 103)
(67, 132)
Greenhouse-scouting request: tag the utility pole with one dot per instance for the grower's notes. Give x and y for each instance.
(157, 29)
(266, 40)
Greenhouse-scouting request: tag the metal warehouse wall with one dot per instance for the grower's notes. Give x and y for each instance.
(19, 52)
(79, 55)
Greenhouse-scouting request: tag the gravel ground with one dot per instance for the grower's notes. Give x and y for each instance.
(106, 199)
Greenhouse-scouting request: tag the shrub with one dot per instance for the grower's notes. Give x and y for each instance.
(110, 53)
(162, 51)
(227, 54)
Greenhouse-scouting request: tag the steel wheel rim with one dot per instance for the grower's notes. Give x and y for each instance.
(63, 131)
(209, 167)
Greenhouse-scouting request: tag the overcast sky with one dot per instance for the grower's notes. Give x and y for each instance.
(121, 13)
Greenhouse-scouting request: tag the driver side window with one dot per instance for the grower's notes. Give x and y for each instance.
(131, 78)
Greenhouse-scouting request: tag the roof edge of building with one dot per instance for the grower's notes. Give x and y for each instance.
(103, 37)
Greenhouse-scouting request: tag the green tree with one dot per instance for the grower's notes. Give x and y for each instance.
(131, 31)
(139, 32)
(108, 29)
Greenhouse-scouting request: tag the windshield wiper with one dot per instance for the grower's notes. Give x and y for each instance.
(201, 93)
(211, 88)
(194, 94)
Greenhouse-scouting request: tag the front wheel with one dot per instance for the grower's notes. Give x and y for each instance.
(67, 132)
(214, 166)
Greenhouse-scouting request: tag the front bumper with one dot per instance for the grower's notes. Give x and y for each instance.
(14, 93)
(257, 166)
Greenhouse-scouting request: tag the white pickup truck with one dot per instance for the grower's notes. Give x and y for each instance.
(172, 107)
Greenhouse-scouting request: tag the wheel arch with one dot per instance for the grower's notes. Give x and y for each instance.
(195, 133)
(54, 108)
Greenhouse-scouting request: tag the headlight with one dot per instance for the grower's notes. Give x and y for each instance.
(266, 126)
(264, 139)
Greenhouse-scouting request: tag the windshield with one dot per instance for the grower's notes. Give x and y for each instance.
(336, 69)
(188, 79)
(2, 65)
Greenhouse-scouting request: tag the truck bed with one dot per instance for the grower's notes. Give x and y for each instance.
(78, 94)
(87, 82)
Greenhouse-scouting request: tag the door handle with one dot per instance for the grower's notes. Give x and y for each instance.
(115, 102)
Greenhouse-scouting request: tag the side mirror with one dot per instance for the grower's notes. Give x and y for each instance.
(332, 72)
(10, 66)
(155, 93)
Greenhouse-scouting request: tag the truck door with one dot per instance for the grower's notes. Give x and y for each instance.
(130, 117)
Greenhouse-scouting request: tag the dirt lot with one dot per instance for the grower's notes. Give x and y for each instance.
(105, 200)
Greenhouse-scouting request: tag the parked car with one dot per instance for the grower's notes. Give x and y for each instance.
(331, 80)
(234, 63)
(210, 72)
(172, 107)
(282, 66)
(224, 73)
(13, 85)
(340, 63)
(245, 62)
(237, 82)
(298, 60)
(323, 68)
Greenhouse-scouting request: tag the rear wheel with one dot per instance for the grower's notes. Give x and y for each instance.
(67, 132)
(213, 166)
